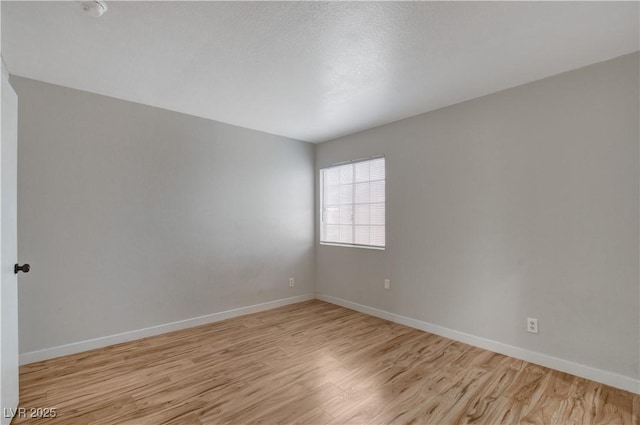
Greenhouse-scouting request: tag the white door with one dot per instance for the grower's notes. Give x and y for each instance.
(8, 252)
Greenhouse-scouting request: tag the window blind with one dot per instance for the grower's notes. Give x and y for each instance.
(353, 203)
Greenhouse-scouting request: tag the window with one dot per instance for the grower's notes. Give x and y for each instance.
(352, 203)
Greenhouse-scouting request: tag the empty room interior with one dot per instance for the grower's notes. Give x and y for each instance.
(320, 212)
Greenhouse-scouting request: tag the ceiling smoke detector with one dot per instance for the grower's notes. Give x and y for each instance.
(93, 8)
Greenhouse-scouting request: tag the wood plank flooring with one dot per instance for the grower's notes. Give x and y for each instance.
(311, 363)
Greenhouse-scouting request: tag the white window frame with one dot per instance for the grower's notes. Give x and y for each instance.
(354, 225)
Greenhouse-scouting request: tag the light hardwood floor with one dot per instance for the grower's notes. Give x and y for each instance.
(311, 363)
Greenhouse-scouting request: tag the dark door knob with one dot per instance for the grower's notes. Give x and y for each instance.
(21, 268)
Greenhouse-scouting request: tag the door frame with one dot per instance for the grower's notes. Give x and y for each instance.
(9, 359)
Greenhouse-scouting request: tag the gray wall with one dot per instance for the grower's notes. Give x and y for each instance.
(133, 216)
(519, 204)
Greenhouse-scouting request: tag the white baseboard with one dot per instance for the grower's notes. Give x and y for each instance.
(598, 375)
(90, 344)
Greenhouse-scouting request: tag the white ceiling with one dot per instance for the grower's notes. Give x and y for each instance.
(312, 71)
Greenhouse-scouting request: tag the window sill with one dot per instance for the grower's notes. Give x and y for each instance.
(346, 245)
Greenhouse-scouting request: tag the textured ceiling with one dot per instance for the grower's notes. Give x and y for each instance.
(312, 71)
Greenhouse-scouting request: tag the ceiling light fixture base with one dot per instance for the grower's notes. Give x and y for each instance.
(95, 8)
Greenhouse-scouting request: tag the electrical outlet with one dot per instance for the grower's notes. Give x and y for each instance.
(387, 284)
(292, 282)
(532, 325)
